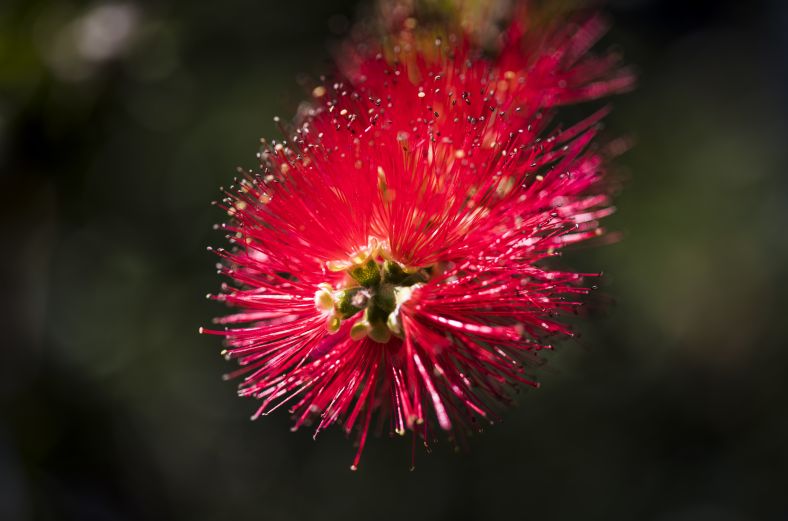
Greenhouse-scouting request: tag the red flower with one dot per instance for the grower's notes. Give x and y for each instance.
(389, 258)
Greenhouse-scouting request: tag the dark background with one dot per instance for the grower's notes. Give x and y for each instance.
(673, 405)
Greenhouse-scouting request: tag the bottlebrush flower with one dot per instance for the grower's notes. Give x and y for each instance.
(390, 257)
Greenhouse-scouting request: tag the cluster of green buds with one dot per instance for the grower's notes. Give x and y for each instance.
(372, 293)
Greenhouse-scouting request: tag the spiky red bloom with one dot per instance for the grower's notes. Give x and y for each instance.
(389, 258)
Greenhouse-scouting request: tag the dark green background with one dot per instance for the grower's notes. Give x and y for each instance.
(672, 406)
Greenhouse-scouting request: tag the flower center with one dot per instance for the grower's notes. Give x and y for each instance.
(372, 293)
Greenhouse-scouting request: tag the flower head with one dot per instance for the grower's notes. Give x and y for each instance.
(389, 258)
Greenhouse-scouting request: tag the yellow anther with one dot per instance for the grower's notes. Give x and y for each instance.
(393, 322)
(379, 333)
(338, 265)
(360, 329)
(333, 324)
(324, 300)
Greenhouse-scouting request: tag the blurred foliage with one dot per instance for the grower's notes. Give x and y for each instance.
(119, 121)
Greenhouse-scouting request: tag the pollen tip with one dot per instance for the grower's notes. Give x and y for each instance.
(353, 468)
(201, 330)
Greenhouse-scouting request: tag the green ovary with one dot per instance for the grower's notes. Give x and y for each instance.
(373, 292)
